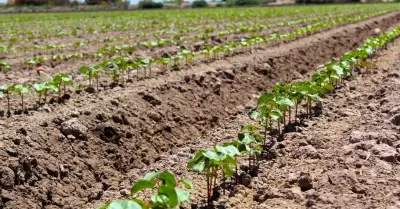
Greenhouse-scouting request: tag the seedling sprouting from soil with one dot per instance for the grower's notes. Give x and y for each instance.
(166, 194)
(4, 65)
(188, 55)
(90, 73)
(62, 80)
(111, 69)
(21, 90)
(7, 90)
(164, 62)
(211, 162)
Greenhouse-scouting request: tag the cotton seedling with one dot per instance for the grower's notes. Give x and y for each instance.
(164, 62)
(90, 73)
(210, 162)
(62, 80)
(188, 55)
(166, 194)
(4, 65)
(21, 90)
(7, 90)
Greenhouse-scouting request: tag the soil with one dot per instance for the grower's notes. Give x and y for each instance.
(91, 148)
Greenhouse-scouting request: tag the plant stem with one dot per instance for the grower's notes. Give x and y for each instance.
(279, 126)
(284, 118)
(223, 181)
(209, 186)
(236, 171)
(8, 105)
(40, 96)
(265, 133)
(97, 83)
(150, 71)
(45, 97)
(22, 102)
(59, 92)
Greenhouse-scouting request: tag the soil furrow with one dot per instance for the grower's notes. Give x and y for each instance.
(93, 147)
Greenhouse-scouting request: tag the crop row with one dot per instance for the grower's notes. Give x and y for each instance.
(25, 27)
(208, 52)
(165, 20)
(275, 108)
(57, 84)
(173, 37)
(120, 67)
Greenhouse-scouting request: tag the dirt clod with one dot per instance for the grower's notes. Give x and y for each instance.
(385, 152)
(120, 117)
(52, 170)
(305, 182)
(396, 120)
(75, 128)
(151, 99)
(7, 177)
(108, 133)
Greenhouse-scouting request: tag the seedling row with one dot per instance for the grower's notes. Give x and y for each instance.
(120, 69)
(284, 106)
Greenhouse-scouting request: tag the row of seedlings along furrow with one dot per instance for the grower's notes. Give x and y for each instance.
(279, 108)
(120, 69)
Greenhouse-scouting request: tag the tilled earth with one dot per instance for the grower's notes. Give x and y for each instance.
(93, 147)
(347, 157)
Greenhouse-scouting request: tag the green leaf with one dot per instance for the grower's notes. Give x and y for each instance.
(183, 196)
(229, 150)
(276, 114)
(150, 176)
(188, 184)
(142, 185)
(159, 201)
(170, 193)
(212, 155)
(249, 128)
(254, 115)
(246, 138)
(84, 69)
(285, 102)
(167, 178)
(329, 87)
(266, 98)
(122, 204)
(21, 89)
(230, 160)
(197, 162)
(228, 170)
(199, 167)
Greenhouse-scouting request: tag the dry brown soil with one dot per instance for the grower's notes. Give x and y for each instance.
(94, 146)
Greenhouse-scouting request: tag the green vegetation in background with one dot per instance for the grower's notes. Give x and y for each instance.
(199, 4)
(242, 3)
(150, 5)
